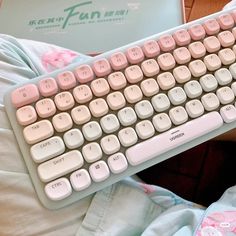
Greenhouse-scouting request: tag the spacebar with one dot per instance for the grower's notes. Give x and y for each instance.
(173, 138)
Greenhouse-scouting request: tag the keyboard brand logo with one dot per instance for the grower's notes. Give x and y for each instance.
(80, 14)
(176, 135)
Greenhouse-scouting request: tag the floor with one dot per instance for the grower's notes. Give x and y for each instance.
(195, 9)
(203, 173)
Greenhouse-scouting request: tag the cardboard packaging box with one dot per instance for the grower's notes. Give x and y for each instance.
(89, 26)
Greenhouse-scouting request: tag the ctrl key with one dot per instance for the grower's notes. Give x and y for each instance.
(58, 189)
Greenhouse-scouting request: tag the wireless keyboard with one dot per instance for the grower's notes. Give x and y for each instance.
(90, 125)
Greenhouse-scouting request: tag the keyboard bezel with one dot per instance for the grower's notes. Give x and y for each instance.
(25, 148)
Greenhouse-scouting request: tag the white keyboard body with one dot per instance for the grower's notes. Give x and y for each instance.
(90, 125)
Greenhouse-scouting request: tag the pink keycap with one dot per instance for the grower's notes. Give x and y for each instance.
(135, 55)
(197, 32)
(212, 44)
(101, 67)
(151, 48)
(166, 61)
(226, 21)
(48, 87)
(82, 93)
(211, 26)
(45, 107)
(84, 73)
(166, 43)
(233, 14)
(118, 61)
(133, 74)
(25, 95)
(182, 37)
(26, 115)
(234, 31)
(66, 80)
(182, 55)
(226, 38)
(197, 49)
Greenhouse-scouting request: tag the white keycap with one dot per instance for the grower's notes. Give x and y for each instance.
(166, 80)
(193, 89)
(173, 138)
(145, 129)
(110, 144)
(149, 87)
(227, 56)
(127, 116)
(58, 189)
(194, 108)
(208, 82)
(60, 166)
(62, 122)
(47, 149)
(182, 74)
(64, 101)
(99, 171)
(212, 62)
(109, 123)
(161, 122)
(80, 114)
(133, 94)
(223, 76)
(233, 87)
(160, 102)
(197, 68)
(232, 70)
(117, 80)
(116, 100)
(127, 136)
(38, 131)
(225, 95)
(92, 152)
(150, 67)
(98, 107)
(117, 163)
(92, 131)
(177, 95)
(73, 138)
(133, 74)
(80, 180)
(178, 115)
(210, 101)
(144, 109)
(228, 113)
(100, 87)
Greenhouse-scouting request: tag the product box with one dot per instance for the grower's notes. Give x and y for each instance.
(89, 27)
